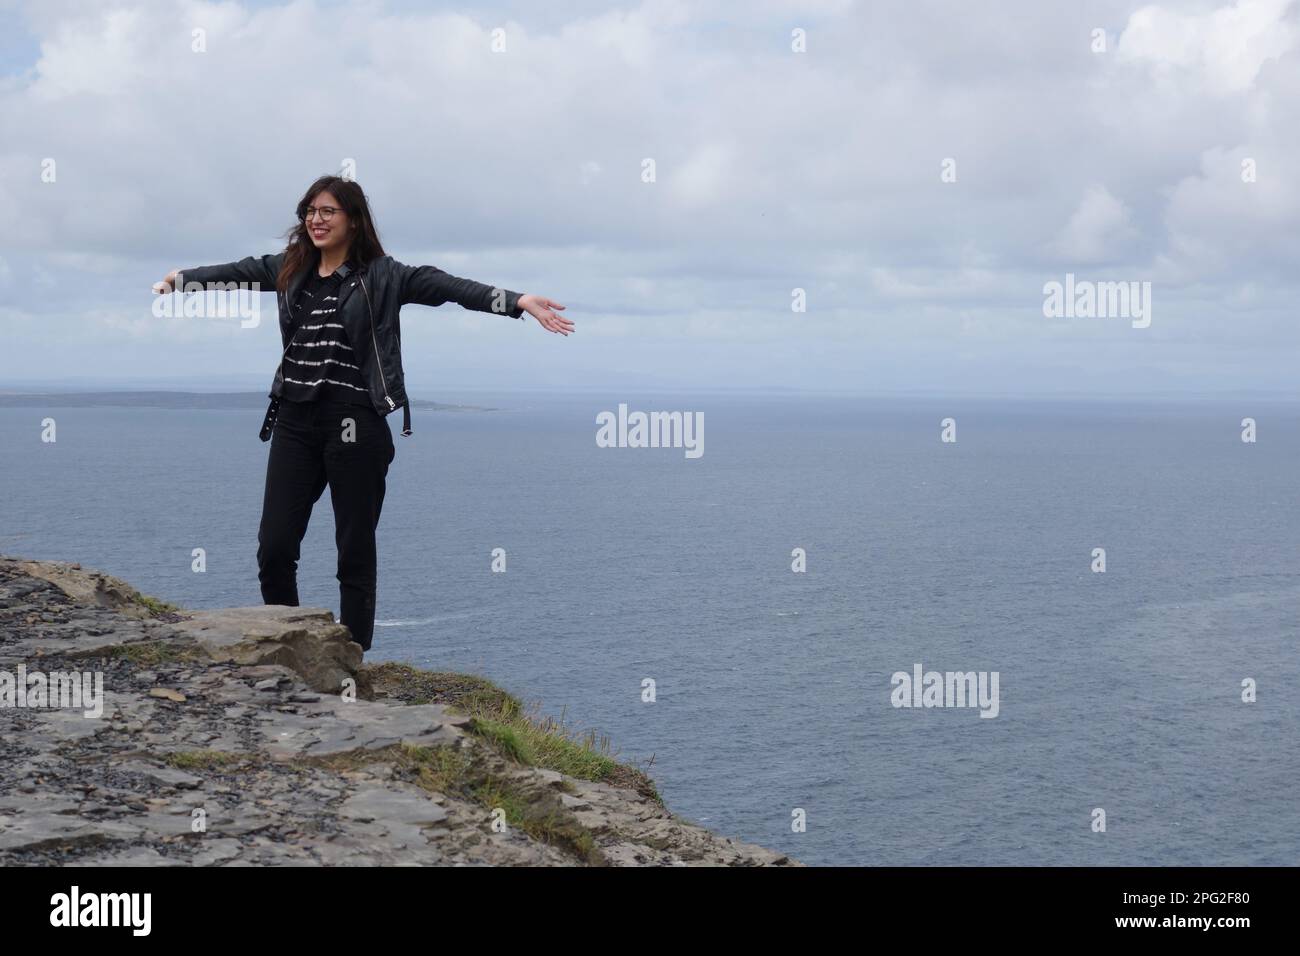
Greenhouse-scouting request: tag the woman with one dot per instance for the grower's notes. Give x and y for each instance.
(338, 297)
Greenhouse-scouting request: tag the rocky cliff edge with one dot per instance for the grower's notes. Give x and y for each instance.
(256, 736)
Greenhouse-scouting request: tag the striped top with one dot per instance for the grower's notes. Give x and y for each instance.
(320, 363)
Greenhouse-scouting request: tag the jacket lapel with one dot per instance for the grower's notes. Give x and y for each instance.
(291, 298)
(297, 282)
(349, 284)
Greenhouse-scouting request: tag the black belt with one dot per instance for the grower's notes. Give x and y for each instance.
(268, 423)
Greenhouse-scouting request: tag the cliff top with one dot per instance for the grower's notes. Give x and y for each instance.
(256, 736)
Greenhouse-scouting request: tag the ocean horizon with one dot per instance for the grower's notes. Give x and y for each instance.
(774, 688)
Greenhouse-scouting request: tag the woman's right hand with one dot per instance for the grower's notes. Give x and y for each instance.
(168, 283)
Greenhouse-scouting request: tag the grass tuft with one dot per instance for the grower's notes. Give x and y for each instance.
(153, 604)
(499, 717)
(205, 759)
(528, 807)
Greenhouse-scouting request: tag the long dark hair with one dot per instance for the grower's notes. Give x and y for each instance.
(364, 246)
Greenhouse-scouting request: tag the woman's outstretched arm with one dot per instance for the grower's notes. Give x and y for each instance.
(429, 285)
(261, 270)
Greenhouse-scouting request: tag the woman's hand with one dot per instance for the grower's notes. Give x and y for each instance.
(168, 283)
(540, 308)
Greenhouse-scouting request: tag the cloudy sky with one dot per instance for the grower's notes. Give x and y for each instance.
(919, 169)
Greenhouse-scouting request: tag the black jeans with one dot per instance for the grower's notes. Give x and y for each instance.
(312, 446)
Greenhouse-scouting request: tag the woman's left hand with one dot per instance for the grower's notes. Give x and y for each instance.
(541, 308)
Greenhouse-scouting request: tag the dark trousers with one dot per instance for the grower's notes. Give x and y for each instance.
(310, 449)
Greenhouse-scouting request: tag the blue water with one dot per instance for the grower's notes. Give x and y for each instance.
(1119, 690)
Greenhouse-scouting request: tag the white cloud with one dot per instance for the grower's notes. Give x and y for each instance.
(1225, 47)
(1100, 229)
(705, 177)
(776, 170)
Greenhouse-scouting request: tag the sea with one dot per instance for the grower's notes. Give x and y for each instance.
(739, 623)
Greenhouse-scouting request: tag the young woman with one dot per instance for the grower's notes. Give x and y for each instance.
(338, 297)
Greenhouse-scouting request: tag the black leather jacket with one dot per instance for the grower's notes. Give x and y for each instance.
(370, 300)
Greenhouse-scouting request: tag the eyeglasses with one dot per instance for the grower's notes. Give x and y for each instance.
(326, 213)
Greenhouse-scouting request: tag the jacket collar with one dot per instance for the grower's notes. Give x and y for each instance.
(349, 275)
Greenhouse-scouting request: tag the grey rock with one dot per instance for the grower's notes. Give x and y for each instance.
(166, 775)
(283, 768)
(378, 803)
(304, 639)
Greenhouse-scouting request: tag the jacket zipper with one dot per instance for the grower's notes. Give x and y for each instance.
(269, 421)
(375, 345)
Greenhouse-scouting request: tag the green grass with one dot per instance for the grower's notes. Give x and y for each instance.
(205, 759)
(439, 769)
(500, 718)
(547, 823)
(541, 743)
(153, 604)
(530, 808)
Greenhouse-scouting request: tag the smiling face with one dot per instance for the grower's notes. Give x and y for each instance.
(327, 225)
